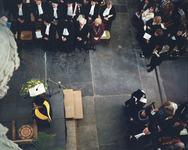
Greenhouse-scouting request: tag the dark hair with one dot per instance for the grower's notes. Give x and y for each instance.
(159, 32)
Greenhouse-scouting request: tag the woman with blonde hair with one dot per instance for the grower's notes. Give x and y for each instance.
(96, 31)
(154, 24)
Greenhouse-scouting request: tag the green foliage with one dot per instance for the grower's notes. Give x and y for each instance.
(44, 142)
(24, 92)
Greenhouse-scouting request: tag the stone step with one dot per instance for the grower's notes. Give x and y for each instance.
(72, 143)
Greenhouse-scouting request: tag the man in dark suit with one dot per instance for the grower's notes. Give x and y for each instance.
(48, 32)
(70, 11)
(66, 33)
(21, 12)
(81, 32)
(39, 10)
(108, 12)
(92, 10)
(55, 12)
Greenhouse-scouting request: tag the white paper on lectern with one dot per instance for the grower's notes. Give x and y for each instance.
(27, 1)
(104, 34)
(38, 34)
(37, 90)
(147, 36)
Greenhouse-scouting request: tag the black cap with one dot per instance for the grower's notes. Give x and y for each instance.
(55, 1)
(70, 1)
(38, 101)
(19, 1)
(94, 0)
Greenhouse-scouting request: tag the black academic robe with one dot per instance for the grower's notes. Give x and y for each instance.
(26, 13)
(141, 5)
(42, 123)
(49, 44)
(36, 11)
(59, 13)
(80, 33)
(67, 45)
(153, 27)
(95, 14)
(67, 17)
(112, 12)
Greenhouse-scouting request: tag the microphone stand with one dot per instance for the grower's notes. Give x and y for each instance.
(50, 95)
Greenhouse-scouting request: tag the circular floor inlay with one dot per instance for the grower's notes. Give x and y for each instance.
(25, 132)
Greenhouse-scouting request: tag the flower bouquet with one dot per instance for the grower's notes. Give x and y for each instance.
(24, 92)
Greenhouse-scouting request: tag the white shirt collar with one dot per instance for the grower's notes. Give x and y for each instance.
(20, 11)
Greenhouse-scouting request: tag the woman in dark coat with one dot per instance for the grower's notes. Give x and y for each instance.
(96, 31)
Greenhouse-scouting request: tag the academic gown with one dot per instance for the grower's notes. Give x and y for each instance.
(82, 34)
(67, 17)
(59, 12)
(40, 122)
(49, 44)
(96, 32)
(153, 27)
(36, 11)
(112, 12)
(67, 45)
(26, 13)
(95, 14)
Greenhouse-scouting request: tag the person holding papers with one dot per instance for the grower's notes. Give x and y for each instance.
(96, 32)
(108, 12)
(159, 55)
(39, 10)
(149, 42)
(42, 112)
(70, 11)
(66, 32)
(21, 12)
(48, 32)
(92, 10)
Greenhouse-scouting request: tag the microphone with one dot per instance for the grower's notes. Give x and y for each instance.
(37, 87)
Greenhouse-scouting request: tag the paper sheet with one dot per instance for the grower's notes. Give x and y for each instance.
(147, 36)
(27, 1)
(104, 34)
(181, 12)
(38, 34)
(109, 16)
(37, 90)
(145, 28)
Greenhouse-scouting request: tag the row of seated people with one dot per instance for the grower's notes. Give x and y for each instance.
(56, 17)
(152, 128)
(161, 23)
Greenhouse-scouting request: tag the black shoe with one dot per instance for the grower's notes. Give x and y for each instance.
(151, 69)
(148, 65)
(94, 48)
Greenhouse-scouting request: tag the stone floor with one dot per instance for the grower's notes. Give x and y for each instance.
(107, 78)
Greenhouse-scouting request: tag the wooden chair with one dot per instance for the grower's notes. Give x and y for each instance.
(26, 34)
(24, 141)
(106, 35)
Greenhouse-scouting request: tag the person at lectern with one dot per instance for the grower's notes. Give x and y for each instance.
(42, 112)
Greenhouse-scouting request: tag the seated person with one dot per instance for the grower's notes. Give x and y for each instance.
(55, 12)
(66, 36)
(96, 32)
(148, 45)
(138, 121)
(70, 11)
(39, 10)
(48, 31)
(21, 12)
(166, 12)
(92, 10)
(159, 55)
(42, 112)
(167, 142)
(182, 112)
(146, 15)
(165, 110)
(175, 38)
(142, 6)
(81, 32)
(108, 12)
(184, 7)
